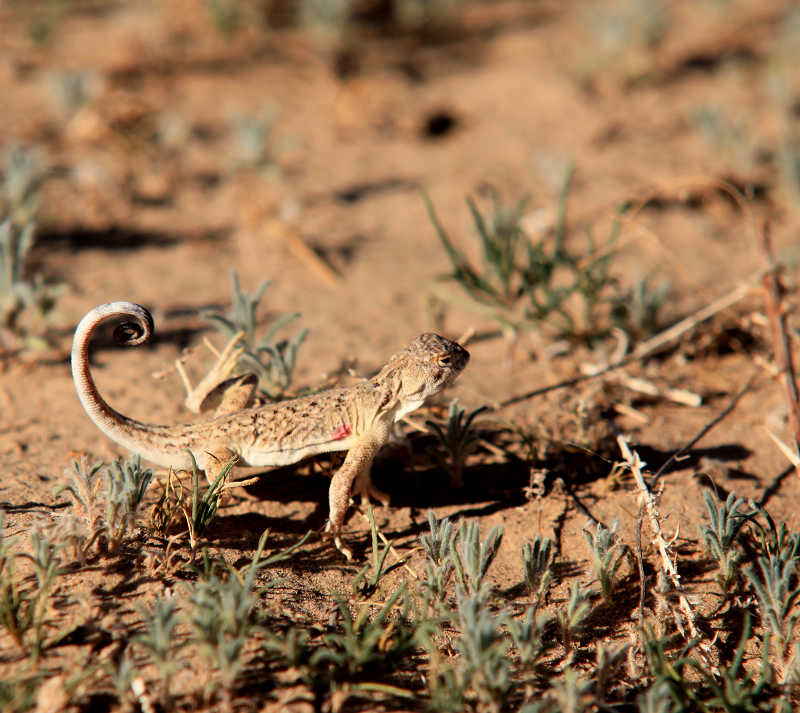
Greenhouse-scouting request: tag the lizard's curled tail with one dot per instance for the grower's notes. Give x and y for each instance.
(135, 327)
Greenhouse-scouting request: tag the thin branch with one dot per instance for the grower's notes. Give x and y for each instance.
(705, 430)
(782, 346)
(646, 349)
(648, 502)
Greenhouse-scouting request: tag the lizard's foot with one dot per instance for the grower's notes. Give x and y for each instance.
(365, 489)
(197, 397)
(337, 541)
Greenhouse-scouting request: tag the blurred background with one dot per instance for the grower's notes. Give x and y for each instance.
(149, 148)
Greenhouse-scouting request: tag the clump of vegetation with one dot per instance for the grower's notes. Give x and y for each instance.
(25, 607)
(523, 283)
(102, 513)
(272, 360)
(252, 137)
(458, 440)
(721, 534)
(607, 554)
(537, 567)
(26, 300)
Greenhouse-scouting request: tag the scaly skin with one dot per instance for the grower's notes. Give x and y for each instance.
(357, 419)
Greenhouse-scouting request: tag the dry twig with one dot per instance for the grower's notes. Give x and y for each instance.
(782, 346)
(648, 501)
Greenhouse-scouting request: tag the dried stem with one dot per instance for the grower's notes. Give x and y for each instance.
(649, 502)
(782, 346)
(653, 345)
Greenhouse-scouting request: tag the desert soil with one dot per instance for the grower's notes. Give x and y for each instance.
(152, 198)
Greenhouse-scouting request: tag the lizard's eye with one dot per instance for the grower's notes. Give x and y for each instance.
(445, 360)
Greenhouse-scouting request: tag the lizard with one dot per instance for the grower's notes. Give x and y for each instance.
(357, 418)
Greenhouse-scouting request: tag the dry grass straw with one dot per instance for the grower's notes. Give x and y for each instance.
(782, 345)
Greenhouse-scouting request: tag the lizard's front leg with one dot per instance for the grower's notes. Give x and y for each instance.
(356, 465)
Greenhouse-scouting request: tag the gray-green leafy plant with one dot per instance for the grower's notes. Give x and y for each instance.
(367, 643)
(159, 641)
(670, 671)
(528, 636)
(655, 699)
(458, 439)
(775, 583)
(472, 558)
(203, 508)
(572, 693)
(537, 560)
(608, 659)
(367, 580)
(24, 609)
(272, 360)
(221, 615)
(607, 554)
(80, 529)
(572, 618)
(84, 486)
(252, 135)
(23, 175)
(439, 567)
(523, 283)
(721, 534)
(484, 666)
(739, 688)
(122, 670)
(638, 309)
(127, 484)
(775, 541)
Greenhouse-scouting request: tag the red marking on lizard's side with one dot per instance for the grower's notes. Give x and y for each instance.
(342, 431)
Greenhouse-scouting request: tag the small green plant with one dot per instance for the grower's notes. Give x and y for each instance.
(669, 672)
(536, 566)
(607, 554)
(484, 666)
(572, 694)
(122, 670)
(608, 659)
(523, 283)
(366, 583)
(528, 635)
(367, 644)
(21, 293)
(159, 641)
(775, 541)
(439, 567)
(721, 534)
(735, 688)
(84, 487)
(204, 507)
(226, 15)
(637, 310)
(127, 484)
(252, 135)
(773, 583)
(458, 439)
(24, 610)
(73, 90)
(221, 615)
(572, 618)
(471, 558)
(656, 699)
(271, 360)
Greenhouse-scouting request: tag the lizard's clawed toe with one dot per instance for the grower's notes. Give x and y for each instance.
(337, 541)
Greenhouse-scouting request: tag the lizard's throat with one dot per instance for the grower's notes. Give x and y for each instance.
(407, 406)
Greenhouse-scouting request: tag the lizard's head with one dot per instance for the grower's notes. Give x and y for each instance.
(429, 364)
